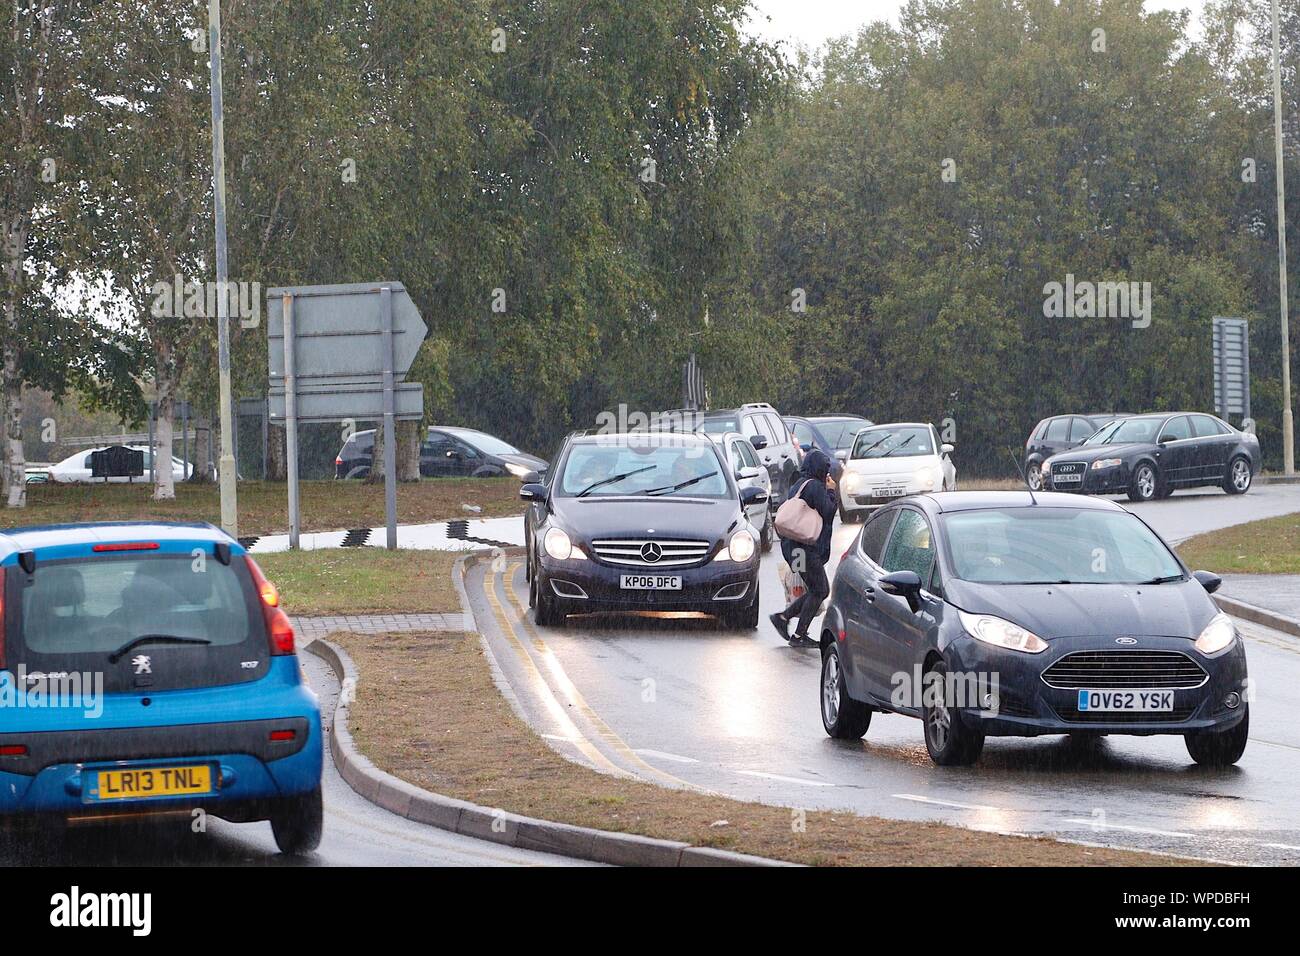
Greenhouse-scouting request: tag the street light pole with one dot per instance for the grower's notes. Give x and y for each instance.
(229, 513)
(1288, 426)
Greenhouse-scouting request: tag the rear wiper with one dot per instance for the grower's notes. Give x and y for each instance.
(132, 644)
(613, 478)
(656, 492)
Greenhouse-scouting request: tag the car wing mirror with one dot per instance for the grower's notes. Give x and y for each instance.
(752, 496)
(531, 478)
(1209, 580)
(532, 491)
(945, 448)
(745, 474)
(904, 584)
(758, 441)
(842, 454)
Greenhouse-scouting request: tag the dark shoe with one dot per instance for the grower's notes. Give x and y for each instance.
(782, 625)
(802, 640)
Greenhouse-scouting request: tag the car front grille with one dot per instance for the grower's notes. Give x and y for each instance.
(1149, 670)
(1069, 472)
(641, 552)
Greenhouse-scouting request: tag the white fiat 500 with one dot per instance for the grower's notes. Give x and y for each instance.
(889, 461)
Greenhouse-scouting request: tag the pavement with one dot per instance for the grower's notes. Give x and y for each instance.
(1279, 593)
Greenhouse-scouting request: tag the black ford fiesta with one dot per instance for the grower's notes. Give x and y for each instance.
(644, 521)
(1006, 614)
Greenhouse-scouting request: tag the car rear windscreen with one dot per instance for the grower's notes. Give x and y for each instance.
(157, 620)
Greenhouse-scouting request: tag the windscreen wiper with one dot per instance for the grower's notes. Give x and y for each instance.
(898, 446)
(869, 447)
(613, 478)
(1163, 580)
(132, 644)
(680, 485)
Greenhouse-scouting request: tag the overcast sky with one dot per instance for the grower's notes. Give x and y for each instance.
(813, 21)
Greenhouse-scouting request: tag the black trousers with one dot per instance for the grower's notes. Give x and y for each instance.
(812, 569)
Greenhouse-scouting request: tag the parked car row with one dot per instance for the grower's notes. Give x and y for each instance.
(446, 452)
(1142, 456)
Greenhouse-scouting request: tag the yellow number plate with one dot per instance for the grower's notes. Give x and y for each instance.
(152, 782)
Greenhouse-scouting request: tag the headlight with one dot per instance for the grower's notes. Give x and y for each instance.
(851, 481)
(925, 478)
(1107, 463)
(741, 547)
(1217, 636)
(1000, 633)
(558, 545)
(1046, 469)
(517, 470)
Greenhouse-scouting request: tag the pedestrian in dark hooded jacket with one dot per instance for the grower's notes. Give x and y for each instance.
(809, 560)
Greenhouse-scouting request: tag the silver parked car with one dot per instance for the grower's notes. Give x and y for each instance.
(749, 473)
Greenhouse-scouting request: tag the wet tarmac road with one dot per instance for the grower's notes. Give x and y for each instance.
(683, 703)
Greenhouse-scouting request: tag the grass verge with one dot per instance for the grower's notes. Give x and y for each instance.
(362, 581)
(427, 711)
(1270, 546)
(264, 505)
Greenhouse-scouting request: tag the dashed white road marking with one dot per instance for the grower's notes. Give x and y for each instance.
(1130, 829)
(778, 777)
(942, 803)
(675, 758)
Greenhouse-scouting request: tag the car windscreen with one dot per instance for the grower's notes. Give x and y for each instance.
(905, 442)
(1142, 430)
(193, 621)
(839, 432)
(1041, 545)
(720, 426)
(483, 441)
(653, 469)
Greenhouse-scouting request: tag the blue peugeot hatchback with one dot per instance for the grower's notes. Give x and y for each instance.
(149, 669)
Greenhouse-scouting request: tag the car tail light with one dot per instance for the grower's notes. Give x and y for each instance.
(338, 462)
(127, 546)
(13, 750)
(281, 735)
(278, 626)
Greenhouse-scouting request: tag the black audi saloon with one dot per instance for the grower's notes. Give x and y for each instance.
(642, 521)
(1151, 456)
(1014, 614)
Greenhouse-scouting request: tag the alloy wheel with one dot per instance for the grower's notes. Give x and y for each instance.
(831, 688)
(1240, 474)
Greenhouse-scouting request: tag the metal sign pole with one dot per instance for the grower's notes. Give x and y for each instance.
(291, 421)
(390, 409)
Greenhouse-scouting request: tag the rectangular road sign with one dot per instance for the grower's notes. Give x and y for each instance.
(341, 352)
(1231, 367)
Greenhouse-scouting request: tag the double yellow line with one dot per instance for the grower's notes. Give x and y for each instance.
(518, 628)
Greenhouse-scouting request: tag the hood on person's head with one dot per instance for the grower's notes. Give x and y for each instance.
(816, 464)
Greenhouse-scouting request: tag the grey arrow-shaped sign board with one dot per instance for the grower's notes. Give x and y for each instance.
(338, 352)
(338, 331)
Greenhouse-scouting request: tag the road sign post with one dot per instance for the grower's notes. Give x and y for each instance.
(343, 354)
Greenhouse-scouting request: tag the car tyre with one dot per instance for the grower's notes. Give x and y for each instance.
(1144, 483)
(949, 741)
(545, 611)
(1034, 476)
(843, 717)
(360, 472)
(1237, 480)
(1221, 749)
(298, 822)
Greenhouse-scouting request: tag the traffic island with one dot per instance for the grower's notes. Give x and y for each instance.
(423, 731)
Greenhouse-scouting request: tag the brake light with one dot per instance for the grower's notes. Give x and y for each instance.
(280, 735)
(13, 750)
(338, 461)
(127, 546)
(278, 627)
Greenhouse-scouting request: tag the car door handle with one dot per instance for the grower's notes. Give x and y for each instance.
(869, 593)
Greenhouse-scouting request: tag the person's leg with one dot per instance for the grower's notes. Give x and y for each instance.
(794, 558)
(816, 590)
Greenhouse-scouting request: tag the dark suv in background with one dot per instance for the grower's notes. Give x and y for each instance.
(777, 450)
(1057, 434)
(447, 452)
